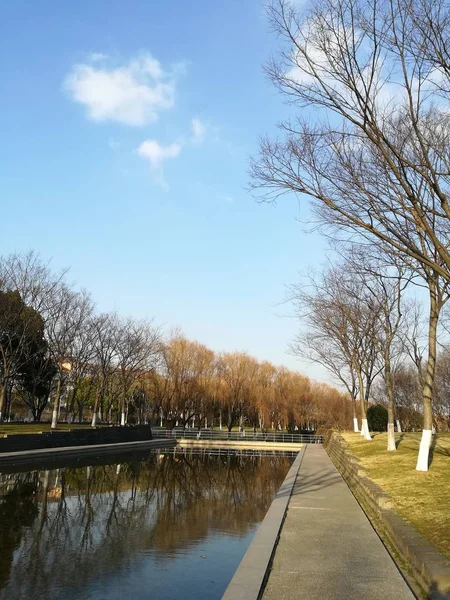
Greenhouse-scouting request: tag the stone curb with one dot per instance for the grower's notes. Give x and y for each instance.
(250, 577)
(429, 568)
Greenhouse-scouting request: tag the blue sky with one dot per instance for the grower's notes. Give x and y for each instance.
(127, 128)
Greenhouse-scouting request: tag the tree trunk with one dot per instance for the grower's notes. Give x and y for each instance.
(428, 384)
(399, 427)
(71, 406)
(56, 404)
(391, 402)
(355, 418)
(364, 426)
(94, 413)
(2, 399)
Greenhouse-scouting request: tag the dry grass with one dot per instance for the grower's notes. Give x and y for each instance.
(421, 498)
(15, 428)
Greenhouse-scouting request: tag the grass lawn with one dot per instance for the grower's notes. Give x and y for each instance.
(423, 499)
(13, 428)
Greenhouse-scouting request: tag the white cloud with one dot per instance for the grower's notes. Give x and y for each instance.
(157, 154)
(133, 94)
(198, 129)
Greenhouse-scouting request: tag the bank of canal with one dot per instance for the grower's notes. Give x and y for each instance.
(165, 524)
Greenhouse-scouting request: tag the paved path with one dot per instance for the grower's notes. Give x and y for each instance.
(327, 548)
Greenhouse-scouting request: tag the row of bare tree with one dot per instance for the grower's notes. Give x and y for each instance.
(369, 85)
(361, 321)
(55, 346)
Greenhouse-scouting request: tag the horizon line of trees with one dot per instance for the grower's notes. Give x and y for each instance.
(56, 349)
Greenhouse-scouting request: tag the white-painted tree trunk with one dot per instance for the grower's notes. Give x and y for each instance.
(122, 419)
(355, 424)
(365, 430)
(399, 427)
(424, 450)
(391, 438)
(54, 419)
(94, 419)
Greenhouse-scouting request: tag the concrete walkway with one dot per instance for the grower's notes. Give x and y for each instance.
(328, 550)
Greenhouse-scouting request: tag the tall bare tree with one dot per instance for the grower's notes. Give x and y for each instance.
(71, 312)
(137, 344)
(105, 365)
(341, 316)
(385, 279)
(374, 156)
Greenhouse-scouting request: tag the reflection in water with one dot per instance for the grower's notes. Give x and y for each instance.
(171, 525)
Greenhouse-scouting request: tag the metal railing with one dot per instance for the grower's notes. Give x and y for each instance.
(234, 436)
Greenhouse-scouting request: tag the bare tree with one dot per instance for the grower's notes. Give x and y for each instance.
(341, 316)
(71, 311)
(238, 371)
(317, 346)
(81, 353)
(385, 279)
(372, 164)
(137, 344)
(105, 364)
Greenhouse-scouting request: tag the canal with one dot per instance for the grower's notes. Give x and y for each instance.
(162, 525)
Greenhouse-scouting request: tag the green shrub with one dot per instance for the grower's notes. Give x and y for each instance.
(377, 418)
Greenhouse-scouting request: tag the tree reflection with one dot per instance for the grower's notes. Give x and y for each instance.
(100, 517)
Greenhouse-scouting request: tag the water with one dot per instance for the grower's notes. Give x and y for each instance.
(163, 525)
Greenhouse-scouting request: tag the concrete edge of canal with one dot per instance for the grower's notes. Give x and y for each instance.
(30, 456)
(244, 444)
(250, 577)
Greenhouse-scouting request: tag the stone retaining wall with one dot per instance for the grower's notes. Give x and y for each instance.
(76, 437)
(428, 567)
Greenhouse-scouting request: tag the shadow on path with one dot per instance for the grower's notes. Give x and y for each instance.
(313, 483)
